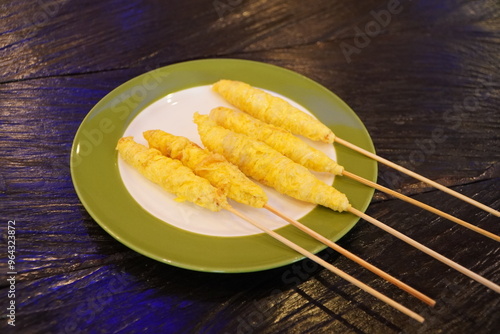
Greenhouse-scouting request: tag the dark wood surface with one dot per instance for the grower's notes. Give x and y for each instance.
(424, 79)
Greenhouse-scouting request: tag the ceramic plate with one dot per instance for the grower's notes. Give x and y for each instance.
(146, 219)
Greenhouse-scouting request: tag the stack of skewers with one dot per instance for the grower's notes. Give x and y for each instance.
(258, 142)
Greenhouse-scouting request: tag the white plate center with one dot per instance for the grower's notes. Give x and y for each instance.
(174, 114)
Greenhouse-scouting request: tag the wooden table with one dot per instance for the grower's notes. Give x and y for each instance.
(422, 75)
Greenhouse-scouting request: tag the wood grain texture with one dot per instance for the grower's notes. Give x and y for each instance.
(426, 86)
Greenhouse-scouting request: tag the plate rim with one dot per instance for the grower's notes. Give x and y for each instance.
(98, 108)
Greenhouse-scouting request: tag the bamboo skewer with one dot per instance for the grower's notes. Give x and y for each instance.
(311, 158)
(330, 267)
(427, 250)
(418, 176)
(421, 205)
(284, 115)
(213, 136)
(190, 155)
(353, 257)
(278, 112)
(153, 166)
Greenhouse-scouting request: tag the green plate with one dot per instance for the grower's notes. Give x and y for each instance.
(98, 183)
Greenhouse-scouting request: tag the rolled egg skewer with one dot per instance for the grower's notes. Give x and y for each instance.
(274, 110)
(269, 167)
(219, 172)
(278, 138)
(213, 167)
(258, 160)
(299, 151)
(171, 175)
(180, 180)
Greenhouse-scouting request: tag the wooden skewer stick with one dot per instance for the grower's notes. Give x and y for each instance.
(330, 267)
(421, 205)
(417, 176)
(353, 257)
(426, 250)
